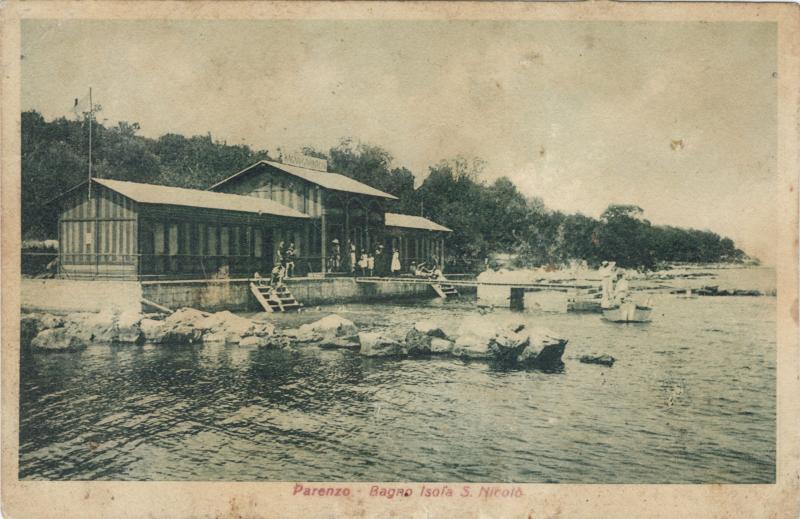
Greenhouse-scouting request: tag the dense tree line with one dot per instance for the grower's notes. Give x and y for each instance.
(486, 218)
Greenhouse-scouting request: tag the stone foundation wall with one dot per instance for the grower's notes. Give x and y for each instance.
(61, 295)
(70, 295)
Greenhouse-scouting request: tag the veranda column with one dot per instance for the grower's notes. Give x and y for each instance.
(323, 246)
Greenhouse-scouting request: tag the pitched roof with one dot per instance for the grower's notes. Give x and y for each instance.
(154, 194)
(333, 181)
(413, 222)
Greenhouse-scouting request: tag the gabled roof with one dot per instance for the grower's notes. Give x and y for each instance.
(413, 222)
(332, 181)
(154, 194)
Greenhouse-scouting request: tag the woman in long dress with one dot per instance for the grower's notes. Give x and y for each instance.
(395, 267)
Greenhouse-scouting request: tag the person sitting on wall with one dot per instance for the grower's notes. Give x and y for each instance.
(278, 272)
(289, 258)
(260, 281)
(422, 271)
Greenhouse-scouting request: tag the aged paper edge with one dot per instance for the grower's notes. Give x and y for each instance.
(221, 499)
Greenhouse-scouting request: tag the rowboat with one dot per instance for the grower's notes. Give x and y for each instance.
(627, 312)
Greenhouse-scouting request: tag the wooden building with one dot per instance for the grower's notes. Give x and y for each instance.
(116, 229)
(347, 216)
(140, 231)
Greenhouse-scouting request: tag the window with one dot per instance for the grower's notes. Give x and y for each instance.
(258, 243)
(158, 238)
(212, 240)
(173, 239)
(201, 239)
(225, 241)
(237, 241)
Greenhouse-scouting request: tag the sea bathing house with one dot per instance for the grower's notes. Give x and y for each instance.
(161, 236)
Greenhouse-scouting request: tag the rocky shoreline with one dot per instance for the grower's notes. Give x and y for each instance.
(511, 343)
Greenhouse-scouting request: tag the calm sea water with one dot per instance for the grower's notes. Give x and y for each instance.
(691, 399)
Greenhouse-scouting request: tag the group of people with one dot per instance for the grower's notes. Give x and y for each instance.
(367, 263)
(616, 288)
(285, 257)
(426, 270)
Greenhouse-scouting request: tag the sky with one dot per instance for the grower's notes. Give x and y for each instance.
(679, 118)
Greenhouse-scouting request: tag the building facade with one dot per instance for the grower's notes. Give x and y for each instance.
(129, 230)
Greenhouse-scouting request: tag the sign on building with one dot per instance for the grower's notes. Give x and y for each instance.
(304, 161)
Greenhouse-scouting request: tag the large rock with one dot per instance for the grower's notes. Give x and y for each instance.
(418, 339)
(31, 324)
(277, 342)
(152, 330)
(91, 326)
(302, 337)
(331, 325)
(182, 334)
(57, 340)
(507, 345)
(232, 326)
(185, 316)
(376, 345)
(126, 328)
(544, 349)
(472, 346)
(254, 340)
(441, 345)
(348, 343)
(604, 359)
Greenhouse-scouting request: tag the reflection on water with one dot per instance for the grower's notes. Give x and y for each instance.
(690, 399)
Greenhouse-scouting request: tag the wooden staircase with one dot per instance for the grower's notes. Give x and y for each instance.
(274, 299)
(444, 290)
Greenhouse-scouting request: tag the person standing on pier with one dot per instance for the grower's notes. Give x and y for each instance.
(378, 261)
(352, 247)
(336, 259)
(371, 264)
(291, 255)
(395, 267)
(279, 258)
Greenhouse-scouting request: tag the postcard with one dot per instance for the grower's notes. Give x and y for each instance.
(377, 259)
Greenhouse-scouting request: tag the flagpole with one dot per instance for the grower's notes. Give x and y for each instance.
(91, 114)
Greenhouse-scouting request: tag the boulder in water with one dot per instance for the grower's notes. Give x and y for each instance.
(376, 345)
(349, 343)
(57, 340)
(506, 346)
(152, 330)
(418, 339)
(91, 326)
(253, 340)
(182, 334)
(441, 345)
(604, 359)
(302, 337)
(331, 325)
(471, 346)
(545, 349)
(226, 323)
(188, 316)
(126, 328)
(214, 337)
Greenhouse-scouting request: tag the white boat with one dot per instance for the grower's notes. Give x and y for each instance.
(627, 312)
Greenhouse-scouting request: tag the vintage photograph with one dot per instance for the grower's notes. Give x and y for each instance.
(435, 251)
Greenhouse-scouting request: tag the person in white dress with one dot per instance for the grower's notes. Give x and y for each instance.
(395, 267)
